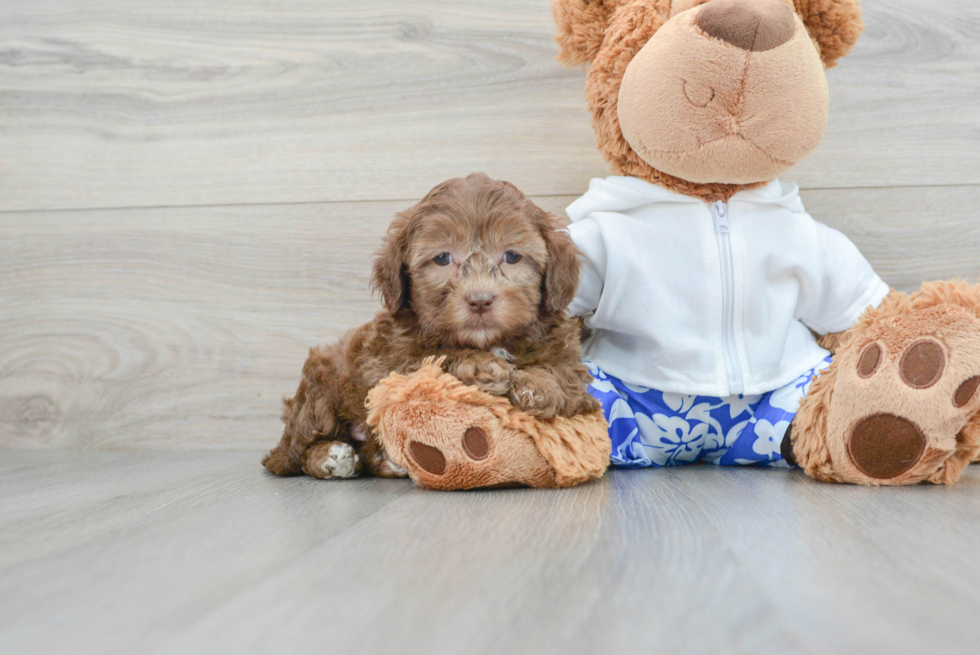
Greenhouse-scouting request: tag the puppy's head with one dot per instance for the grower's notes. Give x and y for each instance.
(477, 262)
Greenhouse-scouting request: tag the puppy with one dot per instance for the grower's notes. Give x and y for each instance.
(475, 272)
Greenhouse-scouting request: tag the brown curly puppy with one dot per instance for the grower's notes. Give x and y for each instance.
(475, 272)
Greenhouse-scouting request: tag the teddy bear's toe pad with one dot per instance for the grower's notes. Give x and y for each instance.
(476, 444)
(429, 458)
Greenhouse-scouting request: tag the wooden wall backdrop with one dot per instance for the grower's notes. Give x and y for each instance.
(190, 192)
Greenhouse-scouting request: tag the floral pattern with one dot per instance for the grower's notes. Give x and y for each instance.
(651, 428)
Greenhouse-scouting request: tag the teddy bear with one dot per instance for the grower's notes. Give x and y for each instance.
(725, 324)
(729, 326)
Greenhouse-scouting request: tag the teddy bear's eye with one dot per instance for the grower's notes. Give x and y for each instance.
(698, 95)
(512, 257)
(443, 259)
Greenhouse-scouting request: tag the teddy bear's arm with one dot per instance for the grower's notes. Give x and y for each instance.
(837, 288)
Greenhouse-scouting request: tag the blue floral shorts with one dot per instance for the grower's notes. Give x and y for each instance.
(651, 428)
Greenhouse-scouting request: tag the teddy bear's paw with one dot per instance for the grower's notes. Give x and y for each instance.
(333, 459)
(905, 389)
(467, 449)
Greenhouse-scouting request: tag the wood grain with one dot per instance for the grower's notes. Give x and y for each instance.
(204, 552)
(183, 328)
(122, 104)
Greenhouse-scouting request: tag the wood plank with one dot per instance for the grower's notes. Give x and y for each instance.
(183, 328)
(697, 559)
(854, 569)
(115, 104)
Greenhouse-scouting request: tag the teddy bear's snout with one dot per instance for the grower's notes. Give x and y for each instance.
(753, 25)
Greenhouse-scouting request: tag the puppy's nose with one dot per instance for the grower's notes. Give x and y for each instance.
(480, 302)
(753, 25)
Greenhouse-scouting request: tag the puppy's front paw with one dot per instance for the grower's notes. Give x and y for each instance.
(486, 372)
(535, 394)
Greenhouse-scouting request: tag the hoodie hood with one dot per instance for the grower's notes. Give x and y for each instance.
(619, 193)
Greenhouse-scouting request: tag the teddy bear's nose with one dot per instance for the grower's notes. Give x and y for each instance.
(753, 25)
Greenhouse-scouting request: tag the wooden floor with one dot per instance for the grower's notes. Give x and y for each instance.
(181, 552)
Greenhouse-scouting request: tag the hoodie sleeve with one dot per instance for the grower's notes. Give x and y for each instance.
(588, 238)
(844, 288)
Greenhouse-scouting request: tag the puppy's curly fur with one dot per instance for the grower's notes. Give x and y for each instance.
(475, 272)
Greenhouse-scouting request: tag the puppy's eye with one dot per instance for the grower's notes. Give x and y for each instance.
(443, 259)
(512, 257)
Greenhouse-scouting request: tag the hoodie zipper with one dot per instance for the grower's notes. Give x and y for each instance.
(719, 213)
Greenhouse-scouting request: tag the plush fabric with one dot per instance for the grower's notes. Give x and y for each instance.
(448, 435)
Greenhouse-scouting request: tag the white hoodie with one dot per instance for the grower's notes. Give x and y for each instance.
(713, 300)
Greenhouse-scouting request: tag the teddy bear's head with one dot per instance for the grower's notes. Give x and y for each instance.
(706, 97)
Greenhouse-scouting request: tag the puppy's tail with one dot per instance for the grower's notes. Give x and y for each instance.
(279, 462)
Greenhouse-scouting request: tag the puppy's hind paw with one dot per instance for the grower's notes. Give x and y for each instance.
(381, 466)
(334, 459)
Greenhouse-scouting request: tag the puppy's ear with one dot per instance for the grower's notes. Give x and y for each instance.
(390, 278)
(835, 25)
(561, 275)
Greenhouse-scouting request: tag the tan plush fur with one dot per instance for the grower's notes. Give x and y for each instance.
(834, 25)
(609, 35)
(474, 272)
(944, 313)
(434, 408)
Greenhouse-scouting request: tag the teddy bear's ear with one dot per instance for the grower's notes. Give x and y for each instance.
(834, 24)
(581, 27)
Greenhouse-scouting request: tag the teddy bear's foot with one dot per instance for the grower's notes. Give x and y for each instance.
(332, 459)
(898, 404)
(448, 435)
(464, 447)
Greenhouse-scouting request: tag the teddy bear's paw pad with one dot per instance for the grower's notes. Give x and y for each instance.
(429, 458)
(966, 391)
(922, 364)
(476, 444)
(884, 446)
